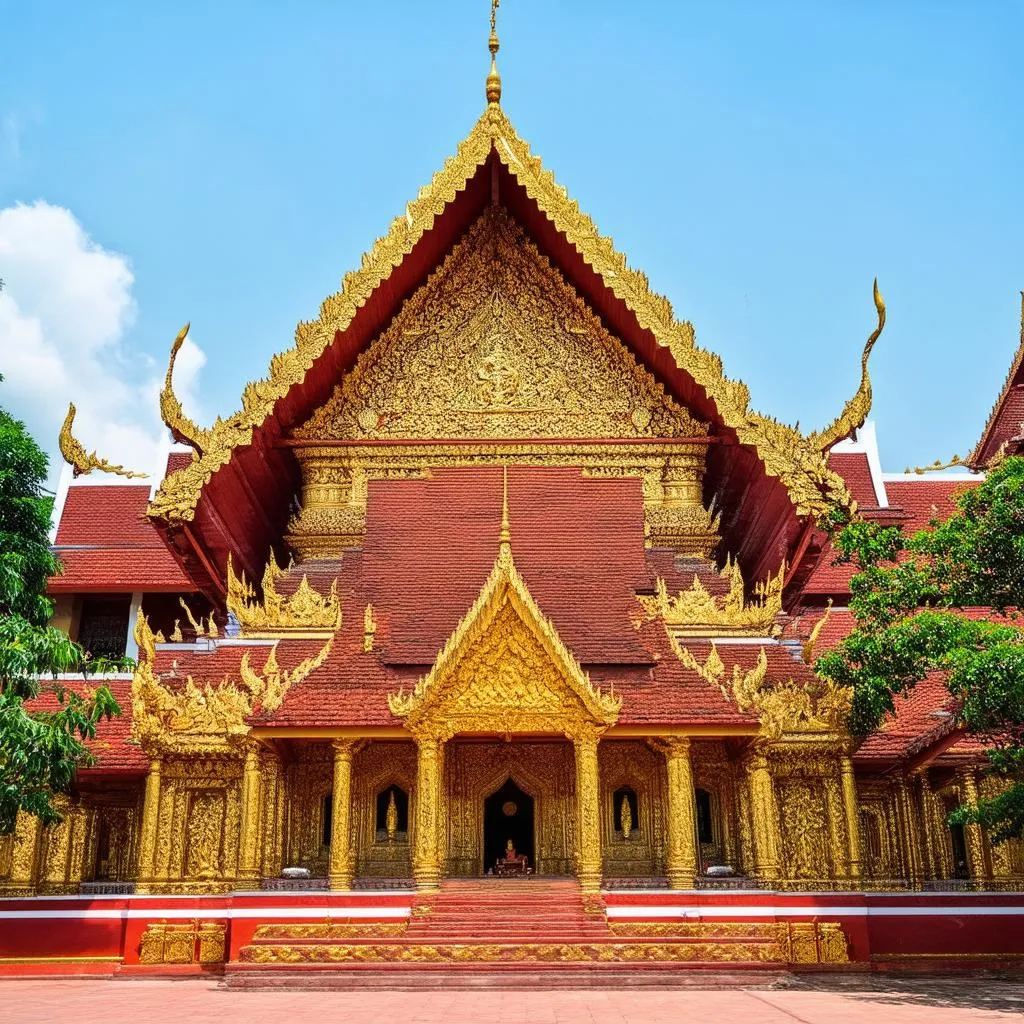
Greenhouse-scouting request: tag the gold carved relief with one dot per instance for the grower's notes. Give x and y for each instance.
(304, 611)
(783, 450)
(505, 670)
(697, 612)
(497, 345)
(205, 718)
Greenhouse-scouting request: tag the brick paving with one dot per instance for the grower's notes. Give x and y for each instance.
(851, 1000)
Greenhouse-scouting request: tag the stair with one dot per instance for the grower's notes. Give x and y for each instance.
(500, 933)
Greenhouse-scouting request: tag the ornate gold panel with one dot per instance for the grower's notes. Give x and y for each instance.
(544, 770)
(377, 767)
(633, 765)
(498, 345)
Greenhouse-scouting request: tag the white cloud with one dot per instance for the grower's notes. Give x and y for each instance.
(65, 308)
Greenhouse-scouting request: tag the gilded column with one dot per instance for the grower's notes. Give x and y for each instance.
(764, 819)
(150, 824)
(588, 814)
(911, 833)
(932, 866)
(851, 805)
(426, 867)
(681, 853)
(972, 833)
(24, 874)
(249, 839)
(339, 873)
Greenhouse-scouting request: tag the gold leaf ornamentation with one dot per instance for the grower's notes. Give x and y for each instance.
(785, 453)
(181, 427)
(505, 669)
(305, 611)
(783, 707)
(856, 410)
(82, 461)
(697, 612)
(205, 718)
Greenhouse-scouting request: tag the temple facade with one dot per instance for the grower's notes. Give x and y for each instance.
(497, 571)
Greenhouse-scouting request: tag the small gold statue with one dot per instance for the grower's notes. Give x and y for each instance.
(626, 813)
(391, 818)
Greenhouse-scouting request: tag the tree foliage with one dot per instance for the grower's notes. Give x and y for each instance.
(916, 599)
(40, 751)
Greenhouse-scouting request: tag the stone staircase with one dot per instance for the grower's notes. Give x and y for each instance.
(533, 932)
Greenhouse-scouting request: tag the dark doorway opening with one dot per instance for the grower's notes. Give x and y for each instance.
(961, 867)
(508, 814)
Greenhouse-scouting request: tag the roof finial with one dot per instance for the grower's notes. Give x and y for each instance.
(493, 78)
(505, 537)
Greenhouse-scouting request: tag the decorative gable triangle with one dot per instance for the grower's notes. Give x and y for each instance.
(504, 670)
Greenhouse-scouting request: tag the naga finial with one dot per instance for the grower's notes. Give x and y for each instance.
(493, 84)
(182, 428)
(856, 410)
(82, 461)
(938, 465)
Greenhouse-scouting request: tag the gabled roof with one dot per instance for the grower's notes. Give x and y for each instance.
(494, 704)
(239, 455)
(1005, 424)
(107, 544)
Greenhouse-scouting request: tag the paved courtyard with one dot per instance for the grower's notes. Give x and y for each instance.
(814, 1001)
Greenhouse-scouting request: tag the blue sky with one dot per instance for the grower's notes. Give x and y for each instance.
(226, 163)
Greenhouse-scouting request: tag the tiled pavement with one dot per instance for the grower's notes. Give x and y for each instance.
(851, 1000)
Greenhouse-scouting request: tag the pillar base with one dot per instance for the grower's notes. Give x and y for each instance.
(681, 880)
(590, 881)
(427, 879)
(341, 882)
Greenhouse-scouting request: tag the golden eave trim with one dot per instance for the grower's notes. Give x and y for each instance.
(785, 453)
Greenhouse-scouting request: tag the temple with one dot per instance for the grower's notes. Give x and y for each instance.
(498, 573)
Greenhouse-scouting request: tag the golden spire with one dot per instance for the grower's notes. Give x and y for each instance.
(505, 537)
(493, 78)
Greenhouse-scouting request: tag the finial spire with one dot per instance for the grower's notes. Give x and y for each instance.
(493, 84)
(505, 537)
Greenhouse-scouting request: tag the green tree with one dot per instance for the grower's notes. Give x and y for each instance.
(40, 751)
(908, 599)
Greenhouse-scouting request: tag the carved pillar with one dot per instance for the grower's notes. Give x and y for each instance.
(249, 840)
(681, 853)
(851, 806)
(340, 871)
(150, 825)
(972, 833)
(764, 818)
(426, 867)
(588, 814)
(25, 855)
(911, 836)
(932, 865)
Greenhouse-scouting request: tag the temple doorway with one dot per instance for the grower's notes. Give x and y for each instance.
(508, 815)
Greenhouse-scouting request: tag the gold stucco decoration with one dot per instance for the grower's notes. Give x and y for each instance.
(305, 611)
(697, 612)
(797, 461)
(82, 461)
(182, 428)
(496, 344)
(505, 670)
(856, 410)
(783, 707)
(205, 718)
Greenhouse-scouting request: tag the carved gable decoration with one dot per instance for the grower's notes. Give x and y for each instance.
(497, 344)
(505, 670)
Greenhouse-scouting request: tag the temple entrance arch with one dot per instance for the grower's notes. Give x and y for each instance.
(508, 815)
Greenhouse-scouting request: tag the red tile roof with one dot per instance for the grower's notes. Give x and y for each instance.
(113, 746)
(578, 543)
(855, 469)
(926, 498)
(107, 544)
